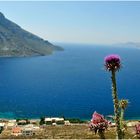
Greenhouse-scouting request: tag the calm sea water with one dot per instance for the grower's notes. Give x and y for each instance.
(72, 83)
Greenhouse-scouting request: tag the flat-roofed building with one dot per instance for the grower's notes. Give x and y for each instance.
(28, 131)
(54, 120)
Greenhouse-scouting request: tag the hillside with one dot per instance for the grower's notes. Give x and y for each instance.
(15, 41)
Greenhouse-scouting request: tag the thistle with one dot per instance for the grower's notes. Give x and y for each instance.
(113, 64)
(98, 124)
(123, 104)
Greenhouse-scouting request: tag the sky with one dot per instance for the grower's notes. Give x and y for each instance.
(89, 22)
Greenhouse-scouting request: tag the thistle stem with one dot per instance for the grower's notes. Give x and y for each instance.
(116, 106)
(121, 122)
(101, 134)
(121, 118)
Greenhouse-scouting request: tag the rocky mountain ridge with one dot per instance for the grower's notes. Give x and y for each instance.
(15, 41)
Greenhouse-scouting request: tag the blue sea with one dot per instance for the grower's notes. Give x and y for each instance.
(72, 83)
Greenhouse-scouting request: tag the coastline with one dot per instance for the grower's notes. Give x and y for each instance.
(69, 128)
(67, 118)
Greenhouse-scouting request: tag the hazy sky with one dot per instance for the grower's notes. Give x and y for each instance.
(81, 22)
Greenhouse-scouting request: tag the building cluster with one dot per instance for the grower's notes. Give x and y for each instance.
(24, 127)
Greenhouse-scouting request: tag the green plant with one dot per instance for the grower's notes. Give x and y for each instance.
(123, 105)
(113, 64)
(75, 120)
(42, 121)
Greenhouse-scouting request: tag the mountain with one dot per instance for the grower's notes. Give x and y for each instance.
(128, 44)
(15, 41)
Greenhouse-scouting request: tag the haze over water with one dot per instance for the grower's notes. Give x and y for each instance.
(72, 83)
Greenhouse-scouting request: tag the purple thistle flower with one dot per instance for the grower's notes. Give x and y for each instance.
(112, 62)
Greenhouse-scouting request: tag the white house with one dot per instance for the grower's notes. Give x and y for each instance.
(54, 121)
(28, 132)
(10, 125)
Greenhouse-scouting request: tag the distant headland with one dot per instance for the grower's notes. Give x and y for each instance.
(15, 41)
